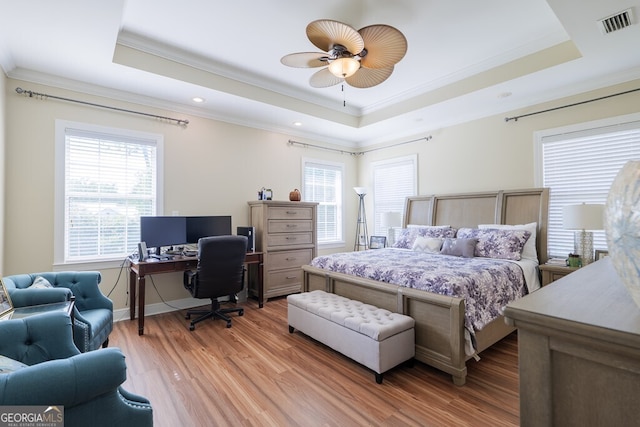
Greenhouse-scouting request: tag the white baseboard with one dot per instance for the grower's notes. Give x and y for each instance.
(159, 308)
(180, 304)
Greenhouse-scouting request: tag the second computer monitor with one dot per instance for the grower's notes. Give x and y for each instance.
(206, 226)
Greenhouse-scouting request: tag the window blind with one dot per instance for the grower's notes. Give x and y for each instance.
(323, 184)
(110, 181)
(579, 167)
(393, 181)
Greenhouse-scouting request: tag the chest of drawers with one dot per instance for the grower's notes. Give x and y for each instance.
(286, 234)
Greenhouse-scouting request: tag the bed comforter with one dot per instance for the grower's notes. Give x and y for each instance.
(486, 284)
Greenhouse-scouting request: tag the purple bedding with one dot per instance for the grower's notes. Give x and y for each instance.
(486, 284)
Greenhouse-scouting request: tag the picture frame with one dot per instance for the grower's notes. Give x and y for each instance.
(601, 254)
(377, 242)
(6, 306)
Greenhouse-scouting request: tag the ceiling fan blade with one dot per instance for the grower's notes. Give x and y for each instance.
(304, 60)
(325, 33)
(369, 77)
(324, 78)
(385, 46)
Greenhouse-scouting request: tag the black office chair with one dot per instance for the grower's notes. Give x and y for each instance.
(220, 273)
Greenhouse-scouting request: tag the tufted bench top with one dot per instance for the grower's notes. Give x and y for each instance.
(374, 322)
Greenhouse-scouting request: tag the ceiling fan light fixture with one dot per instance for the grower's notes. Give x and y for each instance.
(344, 67)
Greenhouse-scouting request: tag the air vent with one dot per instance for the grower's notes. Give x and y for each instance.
(616, 22)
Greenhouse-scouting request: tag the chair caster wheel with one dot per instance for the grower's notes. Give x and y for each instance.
(192, 327)
(228, 324)
(241, 313)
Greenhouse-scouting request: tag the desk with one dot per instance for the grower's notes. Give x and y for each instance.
(139, 269)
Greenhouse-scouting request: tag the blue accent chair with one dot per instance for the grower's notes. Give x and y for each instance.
(88, 385)
(93, 313)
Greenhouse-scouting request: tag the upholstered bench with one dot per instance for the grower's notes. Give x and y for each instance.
(374, 337)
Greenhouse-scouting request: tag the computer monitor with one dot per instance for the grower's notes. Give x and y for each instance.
(158, 231)
(205, 226)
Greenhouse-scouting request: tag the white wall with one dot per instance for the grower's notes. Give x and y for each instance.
(211, 168)
(215, 168)
(491, 154)
(3, 131)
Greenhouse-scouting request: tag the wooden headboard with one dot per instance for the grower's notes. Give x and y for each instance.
(491, 207)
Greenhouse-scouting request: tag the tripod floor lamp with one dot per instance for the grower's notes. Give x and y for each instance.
(362, 236)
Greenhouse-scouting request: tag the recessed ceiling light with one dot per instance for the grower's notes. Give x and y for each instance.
(297, 123)
(197, 99)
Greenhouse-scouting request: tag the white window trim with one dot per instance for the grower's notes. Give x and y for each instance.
(539, 137)
(412, 158)
(58, 229)
(337, 243)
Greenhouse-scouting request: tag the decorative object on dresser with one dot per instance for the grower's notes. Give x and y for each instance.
(362, 236)
(286, 234)
(295, 195)
(579, 351)
(378, 242)
(583, 218)
(622, 223)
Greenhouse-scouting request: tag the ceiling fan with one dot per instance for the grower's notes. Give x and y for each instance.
(362, 58)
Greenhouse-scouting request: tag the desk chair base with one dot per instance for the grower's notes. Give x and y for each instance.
(214, 312)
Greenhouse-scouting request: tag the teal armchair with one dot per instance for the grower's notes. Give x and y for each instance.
(88, 385)
(93, 313)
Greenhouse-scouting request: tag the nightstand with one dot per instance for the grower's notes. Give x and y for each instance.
(552, 272)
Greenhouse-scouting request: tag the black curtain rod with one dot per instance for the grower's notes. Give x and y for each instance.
(515, 118)
(355, 153)
(31, 94)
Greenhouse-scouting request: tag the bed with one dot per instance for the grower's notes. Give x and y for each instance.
(440, 319)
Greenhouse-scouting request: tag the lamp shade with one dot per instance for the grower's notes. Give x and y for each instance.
(583, 217)
(390, 219)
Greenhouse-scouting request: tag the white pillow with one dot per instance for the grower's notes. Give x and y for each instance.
(530, 250)
(40, 283)
(427, 244)
(8, 365)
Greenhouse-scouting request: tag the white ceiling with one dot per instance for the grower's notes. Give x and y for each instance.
(464, 58)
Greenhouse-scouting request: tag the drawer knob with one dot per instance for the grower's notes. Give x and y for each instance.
(292, 225)
(291, 212)
(291, 259)
(291, 277)
(291, 238)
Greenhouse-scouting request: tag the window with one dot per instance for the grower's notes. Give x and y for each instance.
(105, 180)
(322, 183)
(578, 164)
(393, 181)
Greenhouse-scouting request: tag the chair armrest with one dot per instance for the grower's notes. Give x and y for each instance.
(68, 382)
(38, 338)
(84, 285)
(27, 297)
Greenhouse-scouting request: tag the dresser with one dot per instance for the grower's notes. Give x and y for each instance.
(286, 234)
(579, 351)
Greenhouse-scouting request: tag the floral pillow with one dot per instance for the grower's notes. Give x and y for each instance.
(494, 243)
(408, 235)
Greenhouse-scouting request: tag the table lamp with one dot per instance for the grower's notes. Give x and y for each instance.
(391, 220)
(583, 218)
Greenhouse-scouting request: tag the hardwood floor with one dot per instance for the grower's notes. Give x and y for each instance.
(257, 374)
